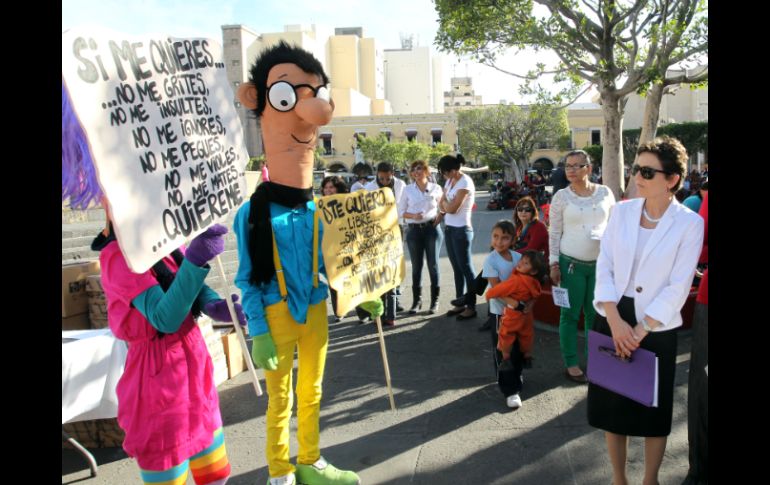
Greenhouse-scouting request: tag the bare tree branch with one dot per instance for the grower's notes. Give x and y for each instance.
(491, 64)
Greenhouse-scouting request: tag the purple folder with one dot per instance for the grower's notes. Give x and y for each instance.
(635, 378)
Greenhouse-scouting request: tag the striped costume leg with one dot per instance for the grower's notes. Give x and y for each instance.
(173, 476)
(210, 466)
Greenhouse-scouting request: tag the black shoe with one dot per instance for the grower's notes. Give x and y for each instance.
(455, 311)
(505, 366)
(485, 326)
(458, 301)
(467, 317)
(416, 307)
(433, 307)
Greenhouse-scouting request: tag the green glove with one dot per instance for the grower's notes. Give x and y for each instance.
(374, 307)
(263, 352)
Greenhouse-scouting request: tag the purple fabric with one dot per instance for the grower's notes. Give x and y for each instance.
(206, 245)
(218, 310)
(78, 175)
(635, 379)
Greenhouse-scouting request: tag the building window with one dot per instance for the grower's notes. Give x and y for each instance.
(596, 137)
(467, 103)
(327, 146)
(457, 104)
(435, 134)
(467, 94)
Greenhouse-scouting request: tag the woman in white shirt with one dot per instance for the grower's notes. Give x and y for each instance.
(648, 257)
(423, 234)
(457, 203)
(578, 217)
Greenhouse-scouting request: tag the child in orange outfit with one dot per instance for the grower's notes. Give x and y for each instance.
(523, 285)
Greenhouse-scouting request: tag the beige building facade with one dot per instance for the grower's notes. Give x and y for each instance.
(586, 125)
(461, 95)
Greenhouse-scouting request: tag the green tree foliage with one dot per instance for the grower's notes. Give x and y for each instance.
(254, 163)
(400, 154)
(505, 136)
(693, 135)
(613, 45)
(595, 152)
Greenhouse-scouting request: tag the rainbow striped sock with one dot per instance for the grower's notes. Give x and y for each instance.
(211, 466)
(173, 476)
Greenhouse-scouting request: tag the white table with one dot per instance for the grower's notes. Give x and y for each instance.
(91, 365)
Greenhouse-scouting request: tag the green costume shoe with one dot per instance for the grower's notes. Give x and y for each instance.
(324, 473)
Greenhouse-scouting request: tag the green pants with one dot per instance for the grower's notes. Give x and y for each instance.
(579, 277)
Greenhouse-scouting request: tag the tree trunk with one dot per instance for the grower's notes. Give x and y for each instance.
(649, 127)
(612, 156)
(509, 173)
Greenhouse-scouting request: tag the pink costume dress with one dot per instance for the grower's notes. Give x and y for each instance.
(167, 401)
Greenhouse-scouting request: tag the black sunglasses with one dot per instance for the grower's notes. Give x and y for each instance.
(648, 173)
(524, 209)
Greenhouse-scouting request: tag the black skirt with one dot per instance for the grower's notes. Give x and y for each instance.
(620, 415)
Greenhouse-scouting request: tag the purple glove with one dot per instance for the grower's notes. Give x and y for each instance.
(206, 245)
(217, 310)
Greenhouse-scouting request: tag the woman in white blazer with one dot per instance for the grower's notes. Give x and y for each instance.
(645, 269)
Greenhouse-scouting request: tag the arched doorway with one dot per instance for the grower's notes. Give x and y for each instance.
(543, 165)
(337, 167)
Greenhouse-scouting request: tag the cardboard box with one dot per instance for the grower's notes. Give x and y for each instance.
(74, 299)
(97, 322)
(94, 283)
(76, 322)
(233, 353)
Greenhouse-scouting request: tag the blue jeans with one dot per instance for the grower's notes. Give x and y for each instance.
(458, 246)
(426, 241)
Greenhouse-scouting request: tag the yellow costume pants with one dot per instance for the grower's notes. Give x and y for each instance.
(311, 341)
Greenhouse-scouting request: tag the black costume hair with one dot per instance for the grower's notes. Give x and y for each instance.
(281, 53)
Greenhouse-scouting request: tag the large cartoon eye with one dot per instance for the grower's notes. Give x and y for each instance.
(281, 96)
(323, 93)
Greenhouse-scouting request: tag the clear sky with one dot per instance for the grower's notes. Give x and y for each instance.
(384, 20)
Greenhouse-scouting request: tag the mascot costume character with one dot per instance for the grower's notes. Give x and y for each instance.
(279, 249)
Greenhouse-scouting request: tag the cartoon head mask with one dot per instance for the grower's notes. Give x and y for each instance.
(288, 89)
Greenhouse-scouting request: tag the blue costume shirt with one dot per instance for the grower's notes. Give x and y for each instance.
(293, 230)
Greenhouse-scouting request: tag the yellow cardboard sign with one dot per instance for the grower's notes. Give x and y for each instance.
(362, 246)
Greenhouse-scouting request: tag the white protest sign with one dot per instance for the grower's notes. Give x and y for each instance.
(163, 133)
(560, 296)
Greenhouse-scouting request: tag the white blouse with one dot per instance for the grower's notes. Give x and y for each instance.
(462, 217)
(416, 201)
(578, 223)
